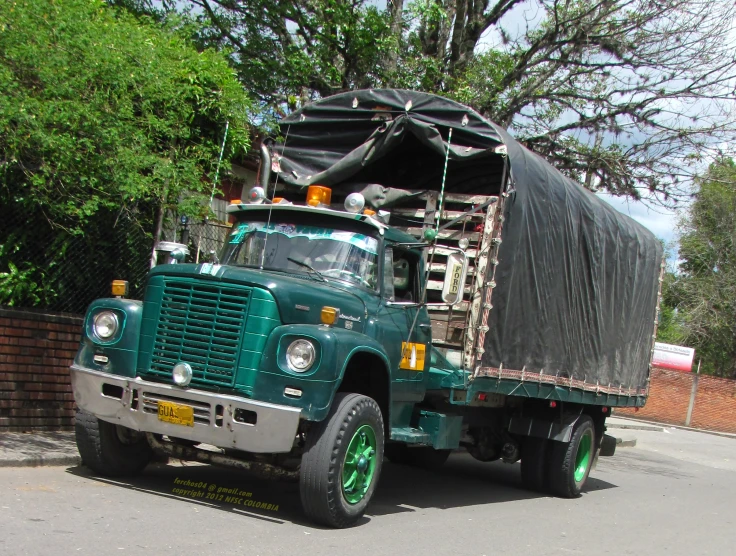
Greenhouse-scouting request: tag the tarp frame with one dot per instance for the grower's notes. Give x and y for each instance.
(575, 293)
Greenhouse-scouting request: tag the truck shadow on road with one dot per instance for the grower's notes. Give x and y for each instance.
(461, 482)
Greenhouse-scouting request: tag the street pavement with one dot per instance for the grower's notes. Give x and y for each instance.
(672, 494)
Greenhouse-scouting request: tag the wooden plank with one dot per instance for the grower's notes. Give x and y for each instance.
(471, 253)
(458, 197)
(447, 214)
(462, 306)
(482, 268)
(447, 234)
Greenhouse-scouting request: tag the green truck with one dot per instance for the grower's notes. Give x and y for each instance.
(408, 280)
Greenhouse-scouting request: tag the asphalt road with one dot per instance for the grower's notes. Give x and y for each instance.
(675, 493)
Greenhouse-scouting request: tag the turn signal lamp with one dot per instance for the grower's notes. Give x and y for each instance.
(318, 195)
(328, 315)
(236, 202)
(369, 212)
(120, 288)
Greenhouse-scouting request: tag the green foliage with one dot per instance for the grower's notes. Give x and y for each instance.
(704, 292)
(101, 114)
(288, 53)
(617, 94)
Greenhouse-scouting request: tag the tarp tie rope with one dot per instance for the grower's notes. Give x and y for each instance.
(214, 185)
(270, 207)
(444, 179)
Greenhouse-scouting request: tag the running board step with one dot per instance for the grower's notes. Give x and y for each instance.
(411, 435)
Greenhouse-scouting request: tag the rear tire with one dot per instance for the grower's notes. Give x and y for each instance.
(108, 449)
(570, 462)
(534, 463)
(342, 461)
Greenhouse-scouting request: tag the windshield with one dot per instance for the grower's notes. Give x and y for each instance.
(323, 252)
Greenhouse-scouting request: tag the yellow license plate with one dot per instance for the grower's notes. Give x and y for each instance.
(175, 413)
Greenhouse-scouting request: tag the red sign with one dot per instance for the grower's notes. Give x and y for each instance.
(677, 358)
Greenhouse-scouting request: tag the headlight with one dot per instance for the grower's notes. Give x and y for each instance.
(300, 355)
(105, 325)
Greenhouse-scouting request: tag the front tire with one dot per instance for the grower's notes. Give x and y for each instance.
(108, 449)
(570, 462)
(342, 461)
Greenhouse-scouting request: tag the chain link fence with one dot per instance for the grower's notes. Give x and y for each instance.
(46, 266)
(205, 239)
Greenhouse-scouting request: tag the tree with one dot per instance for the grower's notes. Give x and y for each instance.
(704, 292)
(102, 117)
(623, 95)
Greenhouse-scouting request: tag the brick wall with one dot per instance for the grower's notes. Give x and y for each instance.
(36, 349)
(715, 404)
(669, 398)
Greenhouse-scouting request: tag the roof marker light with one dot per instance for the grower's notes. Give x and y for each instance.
(355, 202)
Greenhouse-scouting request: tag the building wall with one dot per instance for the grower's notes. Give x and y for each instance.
(36, 349)
(669, 397)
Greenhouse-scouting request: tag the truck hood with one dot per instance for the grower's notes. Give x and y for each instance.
(300, 298)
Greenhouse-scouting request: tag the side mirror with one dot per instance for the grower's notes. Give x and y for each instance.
(178, 255)
(455, 274)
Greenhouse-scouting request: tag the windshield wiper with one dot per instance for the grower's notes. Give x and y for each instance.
(309, 266)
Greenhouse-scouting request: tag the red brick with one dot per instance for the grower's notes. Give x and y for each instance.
(18, 332)
(669, 397)
(46, 387)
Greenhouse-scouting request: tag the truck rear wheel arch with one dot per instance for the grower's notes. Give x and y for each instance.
(366, 373)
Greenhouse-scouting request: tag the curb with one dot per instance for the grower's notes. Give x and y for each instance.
(41, 461)
(636, 427)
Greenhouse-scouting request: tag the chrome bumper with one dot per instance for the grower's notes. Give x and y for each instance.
(133, 403)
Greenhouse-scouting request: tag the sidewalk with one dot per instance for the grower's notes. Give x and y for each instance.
(32, 449)
(626, 422)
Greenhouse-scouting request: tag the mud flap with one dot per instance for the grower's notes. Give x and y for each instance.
(608, 445)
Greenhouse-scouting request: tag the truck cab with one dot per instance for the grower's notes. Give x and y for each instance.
(307, 315)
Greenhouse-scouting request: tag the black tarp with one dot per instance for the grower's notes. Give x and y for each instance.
(577, 281)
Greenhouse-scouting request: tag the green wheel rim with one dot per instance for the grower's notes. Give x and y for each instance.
(582, 459)
(360, 464)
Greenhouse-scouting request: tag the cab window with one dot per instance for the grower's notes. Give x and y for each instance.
(401, 276)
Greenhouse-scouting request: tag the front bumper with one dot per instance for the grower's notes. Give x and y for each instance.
(133, 403)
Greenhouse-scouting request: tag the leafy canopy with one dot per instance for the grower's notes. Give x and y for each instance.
(100, 110)
(623, 95)
(102, 116)
(704, 291)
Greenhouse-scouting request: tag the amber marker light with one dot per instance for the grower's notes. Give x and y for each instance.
(328, 315)
(120, 288)
(236, 202)
(318, 195)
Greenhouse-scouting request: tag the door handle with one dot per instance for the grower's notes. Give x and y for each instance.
(426, 326)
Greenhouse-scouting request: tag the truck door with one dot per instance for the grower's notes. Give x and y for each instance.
(409, 355)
